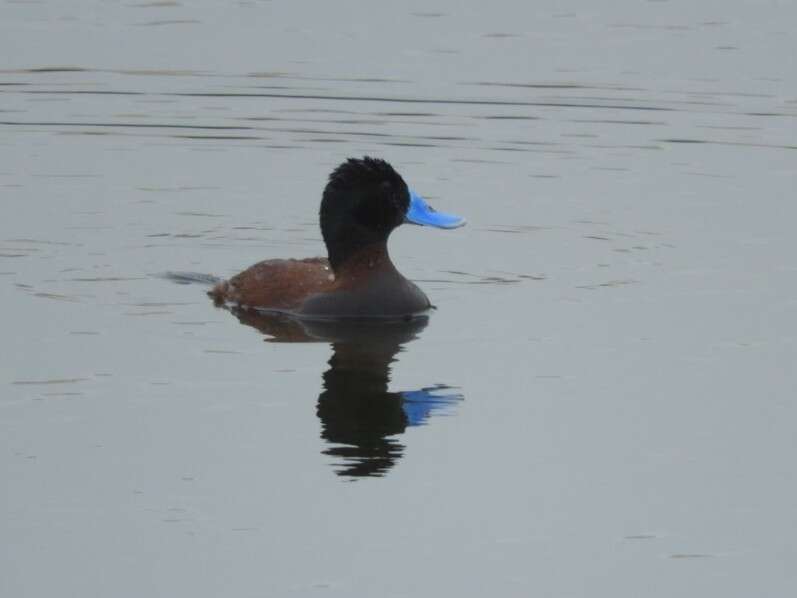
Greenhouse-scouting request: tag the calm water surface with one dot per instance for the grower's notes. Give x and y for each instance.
(601, 405)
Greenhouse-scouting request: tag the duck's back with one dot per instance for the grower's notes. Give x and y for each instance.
(276, 284)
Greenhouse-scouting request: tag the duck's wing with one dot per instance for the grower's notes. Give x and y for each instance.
(276, 284)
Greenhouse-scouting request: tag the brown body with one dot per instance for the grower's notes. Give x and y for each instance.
(366, 285)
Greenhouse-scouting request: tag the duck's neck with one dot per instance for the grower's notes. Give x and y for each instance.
(371, 258)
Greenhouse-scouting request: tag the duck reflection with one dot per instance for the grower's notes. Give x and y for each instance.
(360, 417)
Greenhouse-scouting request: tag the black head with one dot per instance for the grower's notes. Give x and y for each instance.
(363, 202)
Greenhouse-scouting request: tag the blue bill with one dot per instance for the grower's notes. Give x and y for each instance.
(422, 213)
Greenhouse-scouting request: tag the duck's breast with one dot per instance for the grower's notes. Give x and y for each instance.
(381, 295)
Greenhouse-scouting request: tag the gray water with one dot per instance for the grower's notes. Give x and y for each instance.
(601, 405)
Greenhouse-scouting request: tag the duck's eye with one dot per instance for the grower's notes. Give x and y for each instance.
(376, 211)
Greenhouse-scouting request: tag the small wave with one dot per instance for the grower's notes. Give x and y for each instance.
(190, 278)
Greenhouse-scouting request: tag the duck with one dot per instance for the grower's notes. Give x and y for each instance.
(363, 202)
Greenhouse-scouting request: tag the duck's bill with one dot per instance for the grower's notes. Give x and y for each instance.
(422, 213)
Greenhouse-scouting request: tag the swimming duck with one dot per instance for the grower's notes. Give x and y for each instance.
(363, 202)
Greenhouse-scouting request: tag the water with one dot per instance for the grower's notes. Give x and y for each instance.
(602, 403)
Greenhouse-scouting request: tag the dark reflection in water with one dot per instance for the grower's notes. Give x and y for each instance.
(360, 417)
